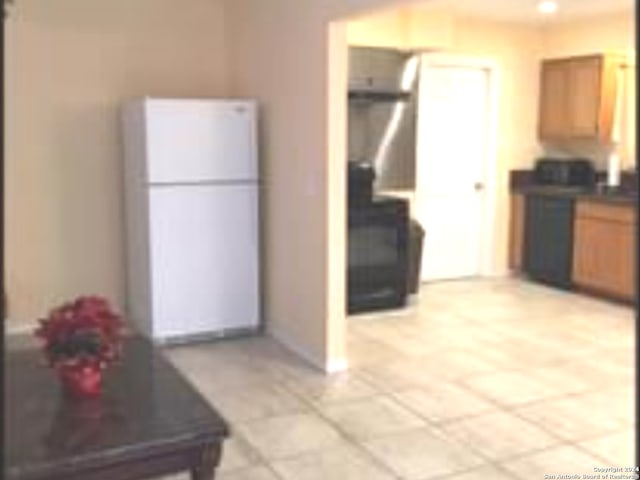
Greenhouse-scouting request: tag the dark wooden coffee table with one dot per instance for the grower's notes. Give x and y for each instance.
(148, 422)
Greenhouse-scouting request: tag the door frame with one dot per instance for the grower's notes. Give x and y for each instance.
(489, 207)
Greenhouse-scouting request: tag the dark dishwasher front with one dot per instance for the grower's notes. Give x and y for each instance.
(548, 239)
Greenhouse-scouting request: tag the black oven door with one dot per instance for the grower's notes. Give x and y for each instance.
(377, 258)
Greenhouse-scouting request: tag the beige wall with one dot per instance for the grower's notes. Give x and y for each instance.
(278, 53)
(381, 29)
(612, 32)
(515, 51)
(69, 64)
(409, 27)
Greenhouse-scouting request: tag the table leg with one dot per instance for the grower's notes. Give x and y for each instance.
(209, 457)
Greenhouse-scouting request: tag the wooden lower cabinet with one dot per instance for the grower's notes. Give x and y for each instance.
(516, 231)
(604, 250)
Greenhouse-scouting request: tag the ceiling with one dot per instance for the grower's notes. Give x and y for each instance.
(525, 10)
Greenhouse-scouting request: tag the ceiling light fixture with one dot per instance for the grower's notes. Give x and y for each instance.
(547, 7)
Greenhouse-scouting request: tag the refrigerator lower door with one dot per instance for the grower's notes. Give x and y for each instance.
(204, 249)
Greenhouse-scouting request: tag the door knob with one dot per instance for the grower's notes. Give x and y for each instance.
(478, 186)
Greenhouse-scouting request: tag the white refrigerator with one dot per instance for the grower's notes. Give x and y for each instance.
(191, 202)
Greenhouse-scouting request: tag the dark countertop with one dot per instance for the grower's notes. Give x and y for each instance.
(607, 196)
(522, 181)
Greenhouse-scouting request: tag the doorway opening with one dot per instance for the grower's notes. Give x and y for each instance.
(425, 136)
(451, 187)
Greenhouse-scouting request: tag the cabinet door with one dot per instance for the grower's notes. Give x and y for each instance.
(554, 91)
(516, 231)
(604, 256)
(584, 96)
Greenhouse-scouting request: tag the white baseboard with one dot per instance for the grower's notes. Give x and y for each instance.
(331, 366)
(285, 341)
(494, 272)
(337, 366)
(498, 274)
(15, 328)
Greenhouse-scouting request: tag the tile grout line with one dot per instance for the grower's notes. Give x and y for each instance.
(352, 440)
(315, 407)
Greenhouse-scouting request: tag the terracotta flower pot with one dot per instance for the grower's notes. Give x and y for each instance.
(81, 381)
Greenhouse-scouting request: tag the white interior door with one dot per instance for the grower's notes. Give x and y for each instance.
(450, 172)
(204, 257)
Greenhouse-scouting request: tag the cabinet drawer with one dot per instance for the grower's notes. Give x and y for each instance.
(606, 211)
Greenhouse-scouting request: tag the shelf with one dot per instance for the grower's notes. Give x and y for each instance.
(378, 96)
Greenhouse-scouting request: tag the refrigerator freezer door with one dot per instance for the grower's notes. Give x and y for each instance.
(204, 257)
(200, 140)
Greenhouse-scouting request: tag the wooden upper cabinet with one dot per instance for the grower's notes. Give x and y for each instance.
(577, 97)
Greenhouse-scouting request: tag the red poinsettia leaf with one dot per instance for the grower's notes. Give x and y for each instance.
(85, 331)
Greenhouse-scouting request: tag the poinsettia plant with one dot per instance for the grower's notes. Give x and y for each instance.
(86, 332)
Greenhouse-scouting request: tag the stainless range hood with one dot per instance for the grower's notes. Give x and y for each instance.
(382, 114)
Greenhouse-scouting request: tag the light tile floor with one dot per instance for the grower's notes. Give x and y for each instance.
(478, 379)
